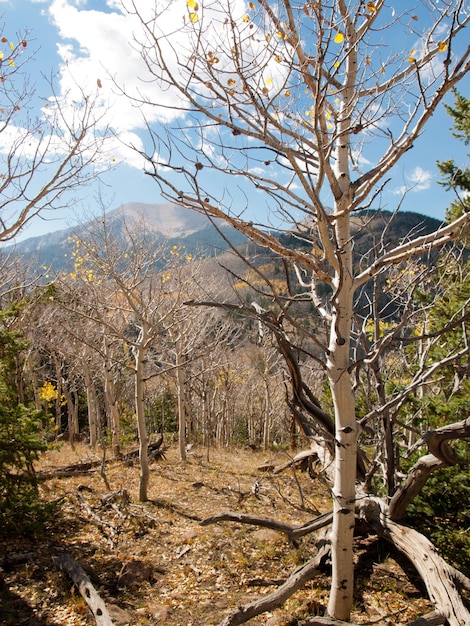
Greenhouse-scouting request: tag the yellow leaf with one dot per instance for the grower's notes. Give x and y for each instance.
(411, 59)
(192, 4)
(231, 82)
(1, 55)
(246, 18)
(252, 6)
(370, 6)
(441, 46)
(193, 17)
(11, 63)
(287, 93)
(12, 46)
(269, 81)
(336, 64)
(339, 38)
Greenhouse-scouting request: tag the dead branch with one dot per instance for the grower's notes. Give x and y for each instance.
(298, 459)
(154, 451)
(108, 529)
(274, 600)
(97, 606)
(292, 532)
(431, 619)
(441, 454)
(16, 559)
(77, 469)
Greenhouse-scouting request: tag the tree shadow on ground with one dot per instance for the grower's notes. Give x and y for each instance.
(16, 610)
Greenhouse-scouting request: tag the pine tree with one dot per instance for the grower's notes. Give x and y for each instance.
(20, 439)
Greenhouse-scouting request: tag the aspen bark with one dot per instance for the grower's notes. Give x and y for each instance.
(139, 355)
(343, 492)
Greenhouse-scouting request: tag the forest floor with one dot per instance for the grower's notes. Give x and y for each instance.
(154, 563)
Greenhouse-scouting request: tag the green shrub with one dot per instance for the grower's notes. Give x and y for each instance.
(21, 440)
(442, 513)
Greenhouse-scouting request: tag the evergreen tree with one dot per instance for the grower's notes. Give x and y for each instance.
(438, 510)
(20, 438)
(456, 177)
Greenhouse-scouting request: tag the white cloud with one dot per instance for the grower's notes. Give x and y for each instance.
(101, 52)
(416, 181)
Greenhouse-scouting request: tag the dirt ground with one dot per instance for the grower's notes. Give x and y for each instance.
(154, 563)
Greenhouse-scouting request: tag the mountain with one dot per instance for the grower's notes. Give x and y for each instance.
(199, 236)
(166, 221)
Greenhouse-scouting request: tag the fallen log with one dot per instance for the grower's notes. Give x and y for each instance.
(77, 469)
(97, 606)
(154, 451)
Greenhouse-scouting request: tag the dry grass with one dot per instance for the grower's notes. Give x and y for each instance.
(195, 574)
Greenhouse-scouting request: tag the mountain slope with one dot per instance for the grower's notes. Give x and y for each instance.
(175, 224)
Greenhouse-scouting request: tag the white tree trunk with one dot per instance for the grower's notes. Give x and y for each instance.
(181, 402)
(139, 354)
(341, 596)
(112, 411)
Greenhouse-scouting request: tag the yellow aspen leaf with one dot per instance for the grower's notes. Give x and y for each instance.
(193, 17)
(441, 46)
(277, 58)
(287, 93)
(336, 64)
(231, 82)
(1, 55)
(411, 59)
(12, 46)
(328, 115)
(246, 18)
(192, 5)
(269, 81)
(252, 6)
(11, 63)
(370, 6)
(339, 38)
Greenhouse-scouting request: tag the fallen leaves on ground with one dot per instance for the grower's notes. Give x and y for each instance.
(153, 563)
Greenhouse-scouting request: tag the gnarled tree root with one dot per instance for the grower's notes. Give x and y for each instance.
(441, 579)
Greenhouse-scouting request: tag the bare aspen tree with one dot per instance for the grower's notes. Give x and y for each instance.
(43, 158)
(312, 104)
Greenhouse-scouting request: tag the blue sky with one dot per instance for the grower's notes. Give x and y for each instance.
(87, 40)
